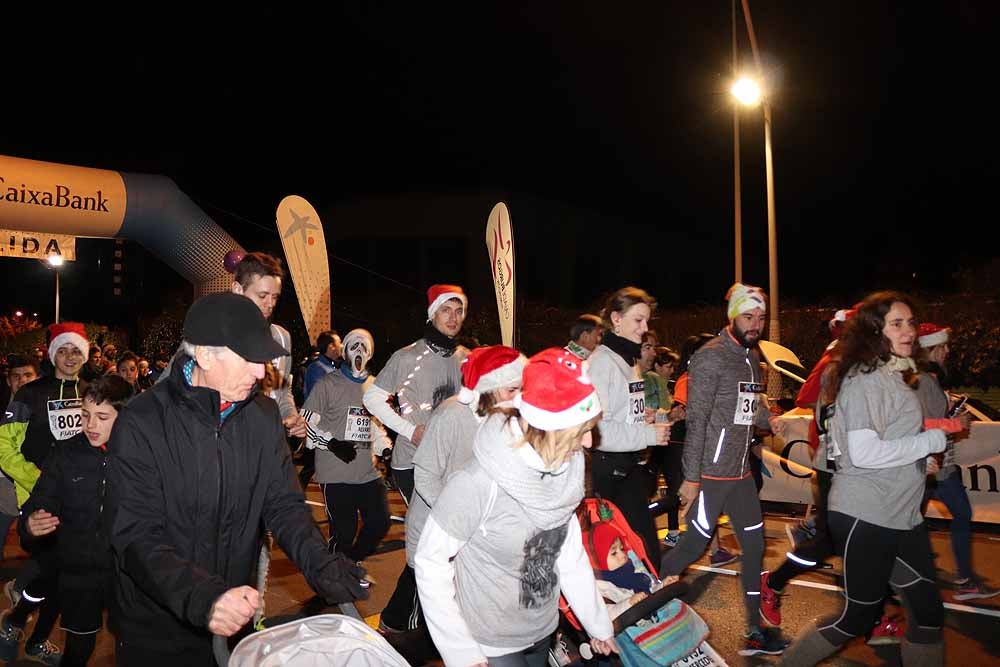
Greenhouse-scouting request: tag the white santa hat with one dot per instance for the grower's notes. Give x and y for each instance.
(490, 368)
(557, 392)
(438, 294)
(929, 335)
(67, 333)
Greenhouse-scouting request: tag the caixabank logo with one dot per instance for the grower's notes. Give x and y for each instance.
(62, 196)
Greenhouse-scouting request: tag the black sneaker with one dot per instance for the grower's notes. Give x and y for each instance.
(10, 638)
(763, 640)
(45, 652)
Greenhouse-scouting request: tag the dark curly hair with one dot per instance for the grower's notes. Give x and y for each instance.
(862, 345)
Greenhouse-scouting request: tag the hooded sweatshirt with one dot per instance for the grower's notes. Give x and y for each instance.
(446, 447)
(501, 542)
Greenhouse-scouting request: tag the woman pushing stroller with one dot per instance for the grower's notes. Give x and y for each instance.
(502, 539)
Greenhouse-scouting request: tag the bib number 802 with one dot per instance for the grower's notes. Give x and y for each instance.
(69, 421)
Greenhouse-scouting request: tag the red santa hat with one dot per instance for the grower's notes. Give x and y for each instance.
(557, 392)
(489, 368)
(438, 294)
(840, 318)
(602, 536)
(929, 335)
(67, 333)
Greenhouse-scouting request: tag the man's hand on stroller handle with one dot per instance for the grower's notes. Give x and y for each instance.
(604, 646)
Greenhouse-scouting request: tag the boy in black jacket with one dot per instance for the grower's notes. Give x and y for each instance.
(67, 506)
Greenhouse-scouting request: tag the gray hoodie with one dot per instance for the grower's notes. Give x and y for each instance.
(501, 542)
(621, 391)
(725, 401)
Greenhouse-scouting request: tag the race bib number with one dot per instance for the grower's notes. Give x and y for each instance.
(65, 420)
(636, 402)
(746, 402)
(948, 459)
(359, 425)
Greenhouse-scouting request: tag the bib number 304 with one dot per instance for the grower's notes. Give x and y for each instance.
(636, 402)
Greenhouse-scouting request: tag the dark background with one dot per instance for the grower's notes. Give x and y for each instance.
(607, 128)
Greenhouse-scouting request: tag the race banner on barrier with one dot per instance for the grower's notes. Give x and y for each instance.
(500, 244)
(788, 468)
(36, 245)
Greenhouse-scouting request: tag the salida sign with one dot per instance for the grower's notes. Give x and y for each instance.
(36, 245)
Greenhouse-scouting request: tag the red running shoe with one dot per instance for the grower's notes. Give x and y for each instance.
(887, 631)
(770, 602)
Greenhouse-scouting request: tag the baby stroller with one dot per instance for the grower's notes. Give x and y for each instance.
(659, 630)
(329, 639)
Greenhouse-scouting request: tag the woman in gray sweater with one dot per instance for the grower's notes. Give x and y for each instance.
(880, 447)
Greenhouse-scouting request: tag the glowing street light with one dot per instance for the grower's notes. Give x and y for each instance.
(746, 91)
(18, 313)
(55, 261)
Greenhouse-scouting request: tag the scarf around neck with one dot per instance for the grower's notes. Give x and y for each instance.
(623, 347)
(548, 497)
(438, 342)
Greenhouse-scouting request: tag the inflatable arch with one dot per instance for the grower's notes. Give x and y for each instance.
(149, 209)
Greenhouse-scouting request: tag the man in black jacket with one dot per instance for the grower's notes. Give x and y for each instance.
(197, 463)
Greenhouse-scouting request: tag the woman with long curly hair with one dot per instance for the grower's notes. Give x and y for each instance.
(880, 447)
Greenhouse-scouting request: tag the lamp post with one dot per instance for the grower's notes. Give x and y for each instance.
(747, 92)
(56, 261)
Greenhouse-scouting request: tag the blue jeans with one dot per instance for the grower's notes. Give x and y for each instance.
(951, 492)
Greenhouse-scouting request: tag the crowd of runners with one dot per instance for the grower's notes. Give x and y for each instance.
(146, 489)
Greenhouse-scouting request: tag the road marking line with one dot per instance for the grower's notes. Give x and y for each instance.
(829, 587)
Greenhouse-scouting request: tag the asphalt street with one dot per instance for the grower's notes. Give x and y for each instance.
(972, 633)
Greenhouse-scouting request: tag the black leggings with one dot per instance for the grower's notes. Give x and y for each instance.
(874, 556)
(738, 499)
(536, 655)
(620, 478)
(344, 502)
(40, 594)
(669, 461)
(809, 554)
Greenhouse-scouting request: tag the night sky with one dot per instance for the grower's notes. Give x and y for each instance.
(614, 116)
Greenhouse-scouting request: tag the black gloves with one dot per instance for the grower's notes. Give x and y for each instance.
(343, 450)
(342, 580)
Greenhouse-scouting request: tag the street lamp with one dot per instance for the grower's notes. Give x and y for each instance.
(748, 92)
(56, 261)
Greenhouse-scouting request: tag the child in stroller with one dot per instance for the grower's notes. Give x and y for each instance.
(652, 626)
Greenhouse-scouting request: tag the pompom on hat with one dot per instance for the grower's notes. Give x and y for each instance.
(929, 335)
(556, 391)
(489, 368)
(438, 294)
(840, 318)
(744, 298)
(67, 333)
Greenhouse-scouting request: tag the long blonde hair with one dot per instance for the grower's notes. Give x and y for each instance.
(555, 447)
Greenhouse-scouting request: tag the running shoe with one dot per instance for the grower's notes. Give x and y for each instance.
(722, 557)
(45, 652)
(770, 601)
(886, 632)
(763, 640)
(973, 589)
(671, 540)
(384, 629)
(10, 637)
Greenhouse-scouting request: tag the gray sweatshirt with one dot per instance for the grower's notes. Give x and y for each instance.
(726, 400)
(420, 379)
(622, 394)
(446, 447)
(877, 429)
(336, 398)
(500, 544)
